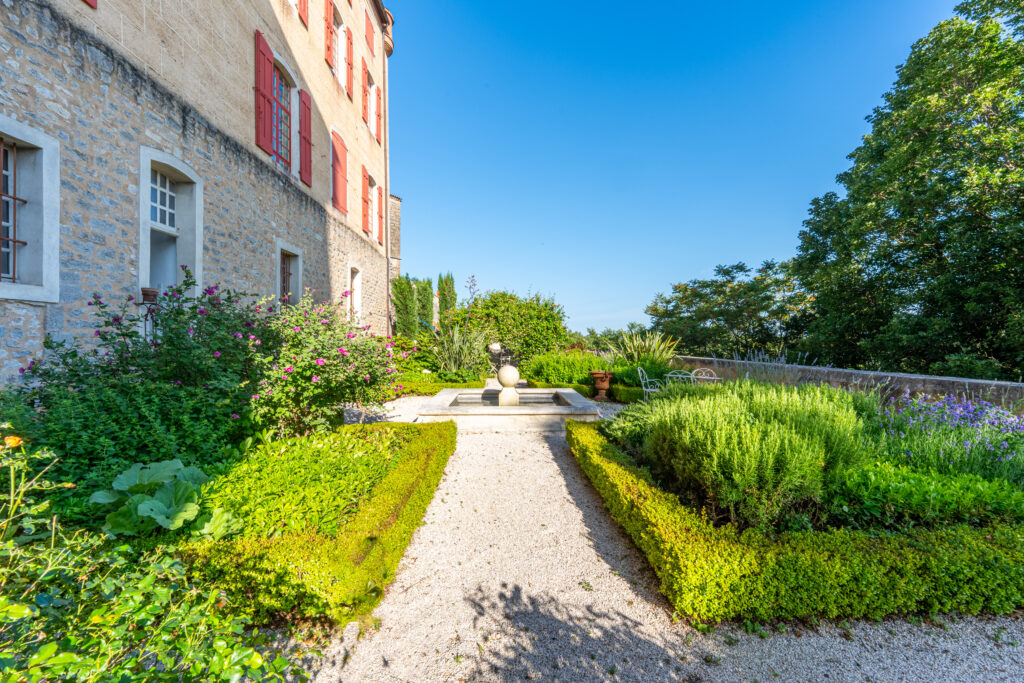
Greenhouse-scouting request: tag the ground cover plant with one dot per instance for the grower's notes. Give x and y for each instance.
(324, 555)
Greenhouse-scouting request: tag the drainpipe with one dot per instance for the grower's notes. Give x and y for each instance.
(389, 48)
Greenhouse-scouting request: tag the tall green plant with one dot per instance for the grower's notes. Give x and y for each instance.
(447, 298)
(637, 348)
(403, 297)
(425, 303)
(459, 350)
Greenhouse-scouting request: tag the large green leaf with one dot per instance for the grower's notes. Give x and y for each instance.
(105, 497)
(139, 477)
(125, 521)
(173, 505)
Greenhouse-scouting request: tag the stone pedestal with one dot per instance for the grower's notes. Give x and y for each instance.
(508, 397)
(508, 377)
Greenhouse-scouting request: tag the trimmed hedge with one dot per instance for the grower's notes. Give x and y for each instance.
(431, 388)
(712, 574)
(617, 392)
(624, 394)
(334, 578)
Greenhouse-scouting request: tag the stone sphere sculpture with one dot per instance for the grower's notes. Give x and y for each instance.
(508, 376)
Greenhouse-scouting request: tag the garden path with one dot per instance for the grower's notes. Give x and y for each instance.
(518, 573)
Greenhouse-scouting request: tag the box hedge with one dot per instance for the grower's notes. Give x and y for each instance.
(310, 575)
(432, 388)
(711, 574)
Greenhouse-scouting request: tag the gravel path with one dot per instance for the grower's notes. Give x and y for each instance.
(518, 574)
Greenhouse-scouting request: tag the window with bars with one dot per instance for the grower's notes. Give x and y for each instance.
(162, 202)
(9, 202)
(282, 118)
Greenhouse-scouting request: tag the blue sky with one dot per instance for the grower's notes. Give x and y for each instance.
(599, 156)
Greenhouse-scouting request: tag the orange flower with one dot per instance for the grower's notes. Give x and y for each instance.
(13, 441)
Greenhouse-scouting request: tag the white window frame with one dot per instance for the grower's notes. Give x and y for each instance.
(44, 194)
(355, 291)
(340, 46)
(190, 231)
(281, 245)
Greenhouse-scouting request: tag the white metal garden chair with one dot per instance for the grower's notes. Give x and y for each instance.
(650, 386)
(678, 376)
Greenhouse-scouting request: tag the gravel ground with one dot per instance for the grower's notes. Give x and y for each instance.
(518, 573)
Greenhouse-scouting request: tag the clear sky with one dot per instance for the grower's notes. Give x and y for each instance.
(596, 153)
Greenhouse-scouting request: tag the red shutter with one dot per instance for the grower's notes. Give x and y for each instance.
(264, 88)
(366, 93)
(380, 214)
(370, 37)
(305, 139)
(350, 63)
(304, 12)
(339, 173)
(91, 3)
(380, 114)
(366, 201)
(329, 32)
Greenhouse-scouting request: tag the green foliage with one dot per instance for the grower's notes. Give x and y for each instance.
(458, 351)
(336, 577)
(757, 454)
(587, 390)
(564, 367)
(735, 312)
(424, 303)
(525, 327)
(322, 362)
(147, 497)
(711, 574)
(305, 484)
(403, 296)
(641, 348)
(895, 497)
(916, 265)
(602, 341)
(626, 373)
(429, 388)
(181, 392)
(75, 609)
(446, 299)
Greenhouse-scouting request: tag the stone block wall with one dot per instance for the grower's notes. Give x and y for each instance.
(67, 83)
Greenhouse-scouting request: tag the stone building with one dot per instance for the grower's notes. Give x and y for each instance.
(246, 139)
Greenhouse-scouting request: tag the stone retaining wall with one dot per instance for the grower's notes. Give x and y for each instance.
(889, 382)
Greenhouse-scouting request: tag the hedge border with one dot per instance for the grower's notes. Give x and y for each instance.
(338, 578)
(712, 574)
(617, 392)
(431, 388)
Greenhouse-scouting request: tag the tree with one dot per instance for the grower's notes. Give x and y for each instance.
(735, 312)
(920, 264)
(446, 298)
(424, 304)
(403, 296)
(524, 326)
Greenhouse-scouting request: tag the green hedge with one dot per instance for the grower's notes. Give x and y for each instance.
(583, 389)
(617, 392)
(624, 394)
(431, 388)
(711, 574)
(334, 578)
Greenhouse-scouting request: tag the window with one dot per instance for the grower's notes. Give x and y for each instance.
(289, 272)
(355, 294)
(29, 213)
(171, 221)
(282, 118)
(9, 202)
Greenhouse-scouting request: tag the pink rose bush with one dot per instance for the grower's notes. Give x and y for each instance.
(328, 362)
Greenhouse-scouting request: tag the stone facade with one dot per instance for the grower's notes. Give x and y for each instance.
(136, 80)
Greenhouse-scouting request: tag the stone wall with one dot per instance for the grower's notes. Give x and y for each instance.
(65, 82)
(889, 382)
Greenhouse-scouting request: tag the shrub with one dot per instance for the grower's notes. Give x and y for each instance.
(758, 453)
(459, 352)
(446, 299)
(626, 374)
(147, 497)
(305, 484)
(403, 296)
(564, 367)
(322, 362)
(897, 497)
(424, 303)
(711, 574)
(525, 327)
(639, 348)
(74, 608)
(312, 575)
(179, 392)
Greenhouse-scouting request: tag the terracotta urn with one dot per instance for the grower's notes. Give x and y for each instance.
(602, 382)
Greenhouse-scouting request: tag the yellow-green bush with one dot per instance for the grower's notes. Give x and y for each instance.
(311, 575)
(711, 574)
(431, 388)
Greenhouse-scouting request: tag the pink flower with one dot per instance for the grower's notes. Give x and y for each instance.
(320, 361)
(216, 354)
(343, 351)
(315, 378)
(366, 378)
(295, 329)
(234, 416)
(346, 293)
(255, 396)
(268, 392)
(350, 335)
(202, 311)
(288, 369)
(251, 337)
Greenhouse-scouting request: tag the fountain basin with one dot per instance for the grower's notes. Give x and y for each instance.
(539, 410)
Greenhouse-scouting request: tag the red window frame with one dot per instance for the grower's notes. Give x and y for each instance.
(281, 99)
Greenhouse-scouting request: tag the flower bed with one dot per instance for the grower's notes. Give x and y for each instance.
(710, 573)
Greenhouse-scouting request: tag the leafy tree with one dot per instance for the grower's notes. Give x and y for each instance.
(524, 327)
(425, 303)
(602, 341)
(403, 296)
(446, 298)
(920, 265)
(737, 311)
